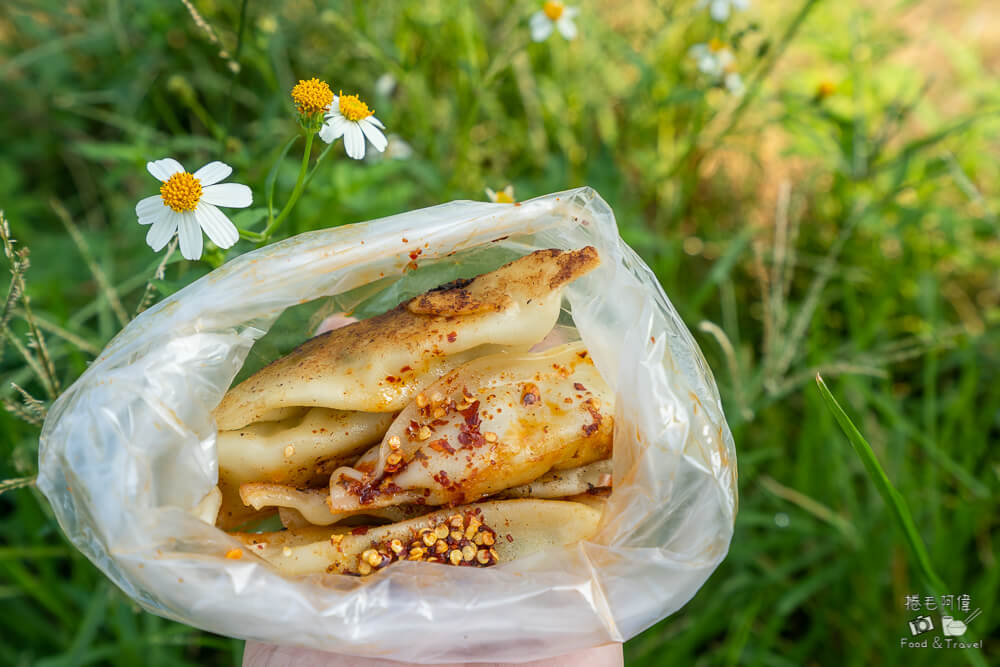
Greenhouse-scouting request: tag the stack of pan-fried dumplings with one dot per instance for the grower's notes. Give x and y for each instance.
(431, 432)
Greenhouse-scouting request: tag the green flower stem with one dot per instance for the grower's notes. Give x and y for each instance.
(296, 191)
(312, 172)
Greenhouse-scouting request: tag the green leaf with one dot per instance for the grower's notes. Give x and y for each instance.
(890, 495)
(249, 217)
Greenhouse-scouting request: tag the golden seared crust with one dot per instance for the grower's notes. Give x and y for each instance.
(494, 423)
(532, 275)
(378, 364)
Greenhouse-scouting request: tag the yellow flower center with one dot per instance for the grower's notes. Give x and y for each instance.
(553, 9)
(715, 45)
(353, 108)
(825, 89)
(181, 192)
(312, 96)
(504, 198)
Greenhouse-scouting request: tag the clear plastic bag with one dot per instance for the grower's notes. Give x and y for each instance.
(129, 450)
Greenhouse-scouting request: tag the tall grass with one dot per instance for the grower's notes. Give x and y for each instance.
(851, 234)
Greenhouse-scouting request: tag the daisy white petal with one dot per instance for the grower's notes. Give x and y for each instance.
(719, 10)
(566, 27)
(374, 135)
(376, 122)
(219, 229)
(734, 83)
(213, 172)
(570, 12)
(354, 141)
(333, 129)
(162, 231)
(155, 216)
(189, 233)
(541, 26)
(235, 195)
(698, 51)
(148, 206)
(741, 5)
(709, 64)
(164, 169)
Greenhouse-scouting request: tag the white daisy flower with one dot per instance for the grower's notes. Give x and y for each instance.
(719, 10)
(351, 118)
(713, 57)
(505, 196)
(188, 204)
(718, 62)
(553, 15)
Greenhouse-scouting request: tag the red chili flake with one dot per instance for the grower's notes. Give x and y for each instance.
(405, 240)
(582, 355)
(509, 538)
(367, 494)
(441, 477)
(412, 266)
(404, 369)
(452, 336)
(442, 446)
(392, 469)
(391, 378)
(579, 387)
(471, 415)
(360, 530)
(471, 438)
(416, 253)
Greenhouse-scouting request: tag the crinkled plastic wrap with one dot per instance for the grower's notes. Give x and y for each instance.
(129, 450)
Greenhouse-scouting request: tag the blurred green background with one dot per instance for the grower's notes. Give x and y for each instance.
(839, 217)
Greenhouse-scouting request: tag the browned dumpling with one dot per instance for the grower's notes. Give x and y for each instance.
(379, 364)
(476, 535)
(562, 483)
(299, 451)
(495, 423)
(300, 507)
(312, 506)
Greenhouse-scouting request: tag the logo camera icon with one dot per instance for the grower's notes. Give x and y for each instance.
(920, 625)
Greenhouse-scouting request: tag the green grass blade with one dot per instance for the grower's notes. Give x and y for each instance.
(890, 495)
